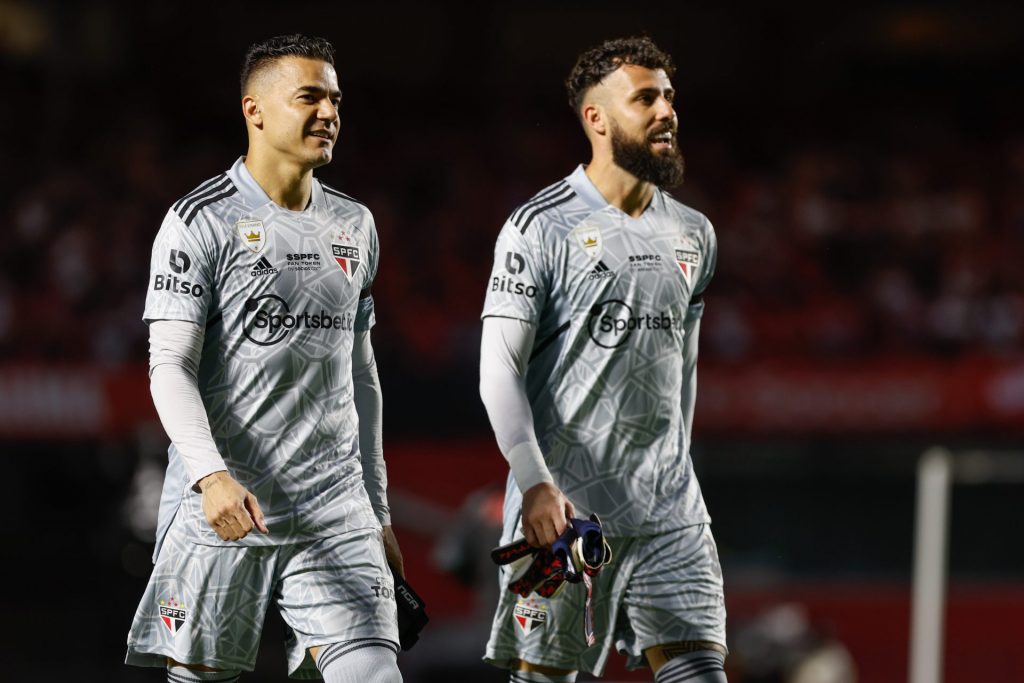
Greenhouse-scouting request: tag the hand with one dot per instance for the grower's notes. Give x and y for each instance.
(392, 552)
(546, 513)
(230, 509)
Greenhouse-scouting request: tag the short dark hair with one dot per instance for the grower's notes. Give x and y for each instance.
(261, 54)
(593, 65)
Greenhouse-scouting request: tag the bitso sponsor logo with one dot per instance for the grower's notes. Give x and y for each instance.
(173, 614)
(267, 320)
(612, 322)
(514, 263)
(263, 267)
(501, 283)
(310, 261)
(179, 261)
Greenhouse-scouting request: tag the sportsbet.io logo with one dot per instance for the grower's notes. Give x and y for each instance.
(267, 320)
(179, 262)
(612, 322)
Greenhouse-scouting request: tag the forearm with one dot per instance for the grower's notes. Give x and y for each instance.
(504, 354)
(175, 347)
(369, 406)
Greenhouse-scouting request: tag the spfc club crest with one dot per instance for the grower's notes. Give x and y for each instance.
(348, 258)
(688, 261)
(173, 614)
(530, 615)
(590, 240)
(253, 235)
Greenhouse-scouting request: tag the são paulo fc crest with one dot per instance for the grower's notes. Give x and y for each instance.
(345, 253)
(688, 261)
(347, 257)
(173, 614)
(529, 615)
(590, 241)
(253, 234)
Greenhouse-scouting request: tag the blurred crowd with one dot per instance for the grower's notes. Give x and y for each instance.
(830, 251)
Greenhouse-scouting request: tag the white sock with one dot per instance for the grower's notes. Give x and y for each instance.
(180, 674)
(703, 666)
(536, 677)
(363, 660)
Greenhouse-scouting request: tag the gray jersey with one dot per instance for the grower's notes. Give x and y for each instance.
(280, 294)
(616, 302)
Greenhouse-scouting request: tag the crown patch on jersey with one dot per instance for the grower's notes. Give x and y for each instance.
(173, 614)
(530, 614)
(590, 241)
(347, 257)
(688, 261)
(253, 235)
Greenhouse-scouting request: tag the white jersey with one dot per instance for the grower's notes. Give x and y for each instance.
(616, 302)
(280, 294)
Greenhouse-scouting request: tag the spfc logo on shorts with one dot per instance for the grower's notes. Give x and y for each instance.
(173, 614)
(687, 262)
(347, 257)
(530, 615)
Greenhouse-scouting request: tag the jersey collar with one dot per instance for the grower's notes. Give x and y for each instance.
(256, 197)
(586, 190)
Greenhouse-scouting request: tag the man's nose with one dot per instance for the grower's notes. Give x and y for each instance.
(327, 111)
(664, 109)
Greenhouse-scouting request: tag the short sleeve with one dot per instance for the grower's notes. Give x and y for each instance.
(520, 277)
(709, 259)
(181, 274)
(365, 318)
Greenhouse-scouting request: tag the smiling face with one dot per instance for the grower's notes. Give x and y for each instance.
(291, 111)
(631, 112)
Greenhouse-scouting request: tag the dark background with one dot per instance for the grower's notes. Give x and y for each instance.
(863, 167)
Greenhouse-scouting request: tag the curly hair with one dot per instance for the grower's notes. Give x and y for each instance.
(262, 54)
(593, 65)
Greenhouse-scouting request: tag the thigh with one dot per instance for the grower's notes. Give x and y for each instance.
(550, 631)
(336, 589)
(675, 592)
(203, 604)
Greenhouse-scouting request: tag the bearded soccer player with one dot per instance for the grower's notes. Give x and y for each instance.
(262, 372)
(588, 374)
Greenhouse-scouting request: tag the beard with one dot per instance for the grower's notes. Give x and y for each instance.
(663, 169)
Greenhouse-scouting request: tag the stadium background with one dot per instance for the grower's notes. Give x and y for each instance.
(864, 169)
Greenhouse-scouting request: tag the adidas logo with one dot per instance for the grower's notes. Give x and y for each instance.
(600, 272)
(263, 267)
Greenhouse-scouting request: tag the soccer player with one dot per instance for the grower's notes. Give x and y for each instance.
(259, 314)
(588, 373)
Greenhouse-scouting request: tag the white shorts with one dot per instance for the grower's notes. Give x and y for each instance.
(206, 604)
(658, 589)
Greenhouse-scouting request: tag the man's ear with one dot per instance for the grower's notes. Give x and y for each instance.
(252, 111)
(594, 118)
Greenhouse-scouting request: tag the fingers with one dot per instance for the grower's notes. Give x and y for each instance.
(231, 511)
(252, 506)
(232, 524)
(531, 535)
